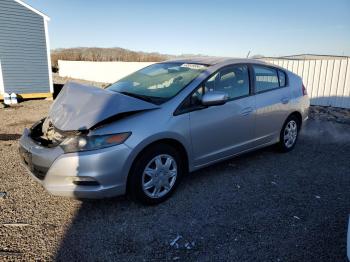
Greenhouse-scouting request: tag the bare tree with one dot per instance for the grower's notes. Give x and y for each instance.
(104, 55)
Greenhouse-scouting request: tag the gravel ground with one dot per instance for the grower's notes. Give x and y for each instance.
(263, 206)
(326, 113)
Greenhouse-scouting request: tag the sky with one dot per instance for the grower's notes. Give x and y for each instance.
(219, 28)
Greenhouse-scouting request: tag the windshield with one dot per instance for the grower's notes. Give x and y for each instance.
(159, 82)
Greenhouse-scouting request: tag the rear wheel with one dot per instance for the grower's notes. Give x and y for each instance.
(289, 134)
(155, 174)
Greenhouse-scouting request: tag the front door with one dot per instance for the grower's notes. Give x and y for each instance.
(221, 131)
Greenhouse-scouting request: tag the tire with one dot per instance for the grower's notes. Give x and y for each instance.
(289, 134)
(153, 187)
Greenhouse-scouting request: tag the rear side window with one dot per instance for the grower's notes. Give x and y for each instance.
(266, 78)
(282, 78)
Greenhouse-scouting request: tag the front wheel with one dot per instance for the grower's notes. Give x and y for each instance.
(155, 174)
(289, 134)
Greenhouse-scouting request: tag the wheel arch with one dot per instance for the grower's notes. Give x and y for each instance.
(298, 115)
(168, 141)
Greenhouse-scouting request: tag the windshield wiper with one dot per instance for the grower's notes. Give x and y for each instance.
(150, 99)
(145, 98)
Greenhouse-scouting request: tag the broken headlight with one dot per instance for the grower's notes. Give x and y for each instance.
(86, 143)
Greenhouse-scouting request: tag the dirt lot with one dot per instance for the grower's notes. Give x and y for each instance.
(264, 206)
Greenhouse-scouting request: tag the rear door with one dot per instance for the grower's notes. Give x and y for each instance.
(220, 131)
(272, 97)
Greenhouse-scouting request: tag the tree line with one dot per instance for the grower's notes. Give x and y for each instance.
(104, 55)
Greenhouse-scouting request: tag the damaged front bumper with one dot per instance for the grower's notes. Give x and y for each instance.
(59, 172)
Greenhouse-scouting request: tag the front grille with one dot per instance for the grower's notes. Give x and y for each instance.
(37, 171)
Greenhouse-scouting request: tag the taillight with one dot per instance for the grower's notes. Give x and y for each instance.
(304, 90)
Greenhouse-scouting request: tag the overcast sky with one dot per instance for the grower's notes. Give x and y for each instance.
(220, 27)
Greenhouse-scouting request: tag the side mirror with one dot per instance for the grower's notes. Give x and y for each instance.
(214, 98)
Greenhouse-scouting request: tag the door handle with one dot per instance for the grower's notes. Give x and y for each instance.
(246, 111)
(285, 100)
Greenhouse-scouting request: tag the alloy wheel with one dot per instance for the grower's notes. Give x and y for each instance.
(159, 176)
(290, 133)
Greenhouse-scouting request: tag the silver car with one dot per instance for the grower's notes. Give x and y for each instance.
(141, 134)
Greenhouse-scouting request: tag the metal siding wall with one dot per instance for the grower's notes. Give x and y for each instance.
(346, 94)
(305, 72)
(334, 84)
(322, 82)
(341, 83)
(327, 80)
(317, 75)
(329, 77)
(23, 49)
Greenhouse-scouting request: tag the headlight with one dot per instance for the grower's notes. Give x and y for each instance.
(85, 143)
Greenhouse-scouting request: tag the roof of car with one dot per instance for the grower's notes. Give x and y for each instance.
(212, 60)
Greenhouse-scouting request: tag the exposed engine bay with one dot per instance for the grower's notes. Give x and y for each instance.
(45, 134)
(50, 133)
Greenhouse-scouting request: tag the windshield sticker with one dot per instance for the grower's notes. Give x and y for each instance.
(194, 66)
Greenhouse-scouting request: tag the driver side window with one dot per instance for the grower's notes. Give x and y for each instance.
(207, 86)
(233, 80)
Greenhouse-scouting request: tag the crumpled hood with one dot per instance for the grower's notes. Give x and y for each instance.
(80, 107)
